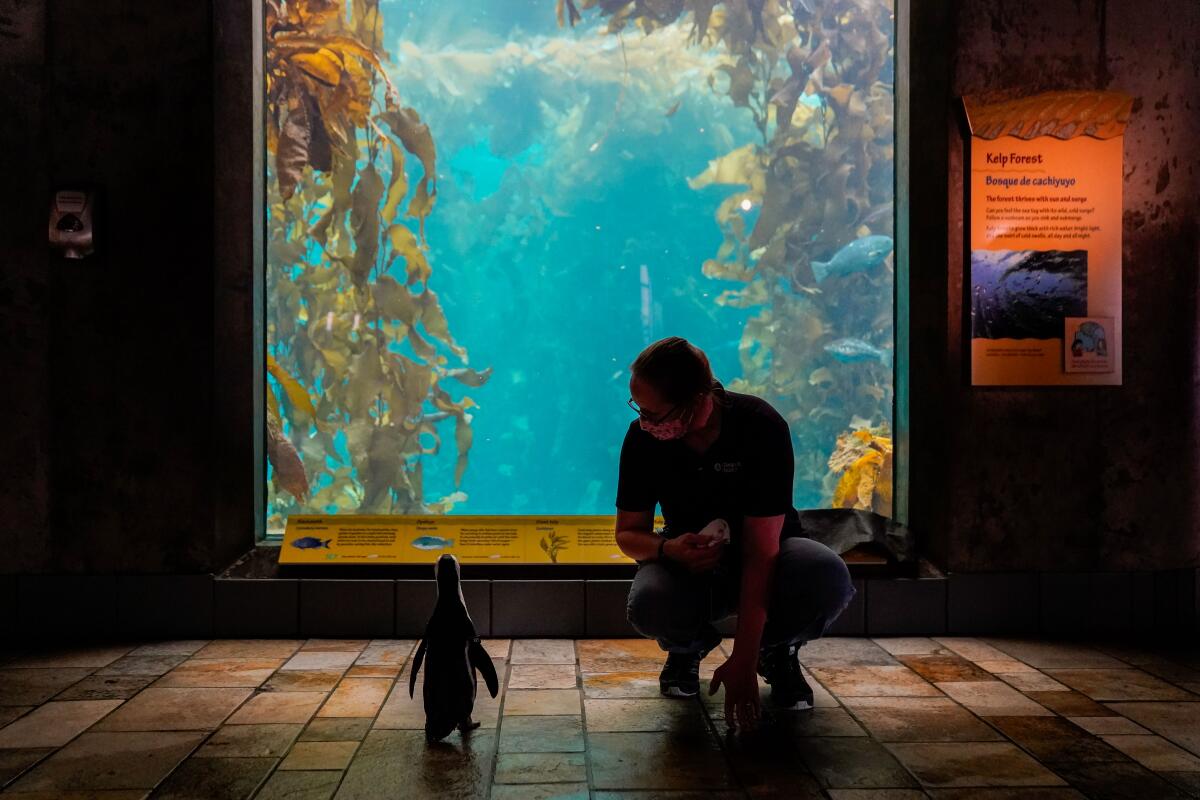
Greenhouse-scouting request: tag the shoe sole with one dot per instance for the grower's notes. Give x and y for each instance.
(799, 705)
(675, 691)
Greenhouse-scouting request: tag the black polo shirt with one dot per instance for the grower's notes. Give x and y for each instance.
(747, 471)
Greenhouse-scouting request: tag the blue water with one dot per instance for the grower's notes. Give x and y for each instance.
(562, 192)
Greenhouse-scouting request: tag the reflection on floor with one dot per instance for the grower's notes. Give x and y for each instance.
(895, 719)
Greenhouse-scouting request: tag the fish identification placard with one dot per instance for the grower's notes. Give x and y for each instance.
(474, 539)
(1045, 235)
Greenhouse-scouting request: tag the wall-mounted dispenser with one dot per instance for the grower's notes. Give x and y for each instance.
(72, 213)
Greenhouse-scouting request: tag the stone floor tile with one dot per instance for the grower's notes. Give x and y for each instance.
(837, 652)
(1176, 722)
(327, 645)
(540, 791)
(972, 764)
(390, 652)
(874, 681)
(143, 665)
(212, 673)
(1032, 682)
(542, 676)
(401, 712)
(853, 763)
(543, 651)
(318, 785)
(971, 649)
(641, 714)
(653, 794)
(171, 647)
(157, 709)
(1118, 780)
(1118, 684)
(90, 794)
(1008, 666)
(297, 707)
(55, 723)
(993, 699)
(1155, 752)
(1189, 782)
(373, 671)
(109, 760)
(625, 655)
(542, 701)
(1104, 726)
(9, 713)
(281, 649)
(226, 778)
(1024, 793)
(543, 735)
(1054, 740)
(948, 667)
(316, 681)
(620, 684)
(877, 794)
(540, 767)
(1054, 655)
(335, 729)
(14, 762)
(320, 659)
(457, 768)
(357, 697)
(657, 760)
(814, 722)
(1070, 704)
(919, 719)
(250, 741)
(766, 765)
(498, 648)
(908, 646)
(319, 755)
(106, 687)
(29, 687)
(70, 657)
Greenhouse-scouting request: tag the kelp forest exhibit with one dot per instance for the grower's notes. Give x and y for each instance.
(478, 216)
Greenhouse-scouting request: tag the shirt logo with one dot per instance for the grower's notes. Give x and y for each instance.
(727, 466)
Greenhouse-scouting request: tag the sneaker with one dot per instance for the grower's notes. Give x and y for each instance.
(680, 676)
(780, 668)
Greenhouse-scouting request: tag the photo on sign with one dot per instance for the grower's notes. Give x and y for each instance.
(1026, 294)
(1087, 344)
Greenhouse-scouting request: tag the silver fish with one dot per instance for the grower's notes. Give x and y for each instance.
(431, 543)
(861, 255)
(851, 350)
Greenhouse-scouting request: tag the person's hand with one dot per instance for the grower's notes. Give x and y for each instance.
(695, 552)
(743, 707)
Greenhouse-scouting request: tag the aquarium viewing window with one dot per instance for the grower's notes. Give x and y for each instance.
(478, 215)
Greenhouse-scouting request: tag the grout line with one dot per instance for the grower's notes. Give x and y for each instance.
(589, 776)
(503, 682)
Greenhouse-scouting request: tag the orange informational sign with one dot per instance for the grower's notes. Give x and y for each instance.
(1045, 234)
(360, 539)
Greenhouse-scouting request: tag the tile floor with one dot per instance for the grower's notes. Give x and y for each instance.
(895, 719)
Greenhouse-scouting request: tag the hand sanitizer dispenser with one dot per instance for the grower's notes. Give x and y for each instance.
(71, 217)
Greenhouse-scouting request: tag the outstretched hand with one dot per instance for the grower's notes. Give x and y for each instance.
(743, 706)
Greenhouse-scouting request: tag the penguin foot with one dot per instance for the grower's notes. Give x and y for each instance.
(468, 725)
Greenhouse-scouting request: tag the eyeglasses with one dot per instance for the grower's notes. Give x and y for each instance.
(646, 416)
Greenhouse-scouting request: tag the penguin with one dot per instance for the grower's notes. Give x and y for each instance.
(454, 655)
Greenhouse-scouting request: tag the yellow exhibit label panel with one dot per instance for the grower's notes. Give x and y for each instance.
(500, 539)
(1045, 238)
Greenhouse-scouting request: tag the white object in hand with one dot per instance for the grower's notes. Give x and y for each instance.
(717, 531)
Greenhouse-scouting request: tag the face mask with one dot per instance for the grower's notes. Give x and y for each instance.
(675, 429)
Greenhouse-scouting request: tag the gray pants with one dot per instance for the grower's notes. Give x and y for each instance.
(810, 589)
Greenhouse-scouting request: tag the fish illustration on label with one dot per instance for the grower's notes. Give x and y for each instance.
(432, 543)
(310, 543)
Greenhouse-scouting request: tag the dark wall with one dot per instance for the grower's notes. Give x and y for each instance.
(108, 460)
(128, 374)
(1085, 478)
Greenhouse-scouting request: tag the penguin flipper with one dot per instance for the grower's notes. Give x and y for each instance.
(481, 661)
(412, 675)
